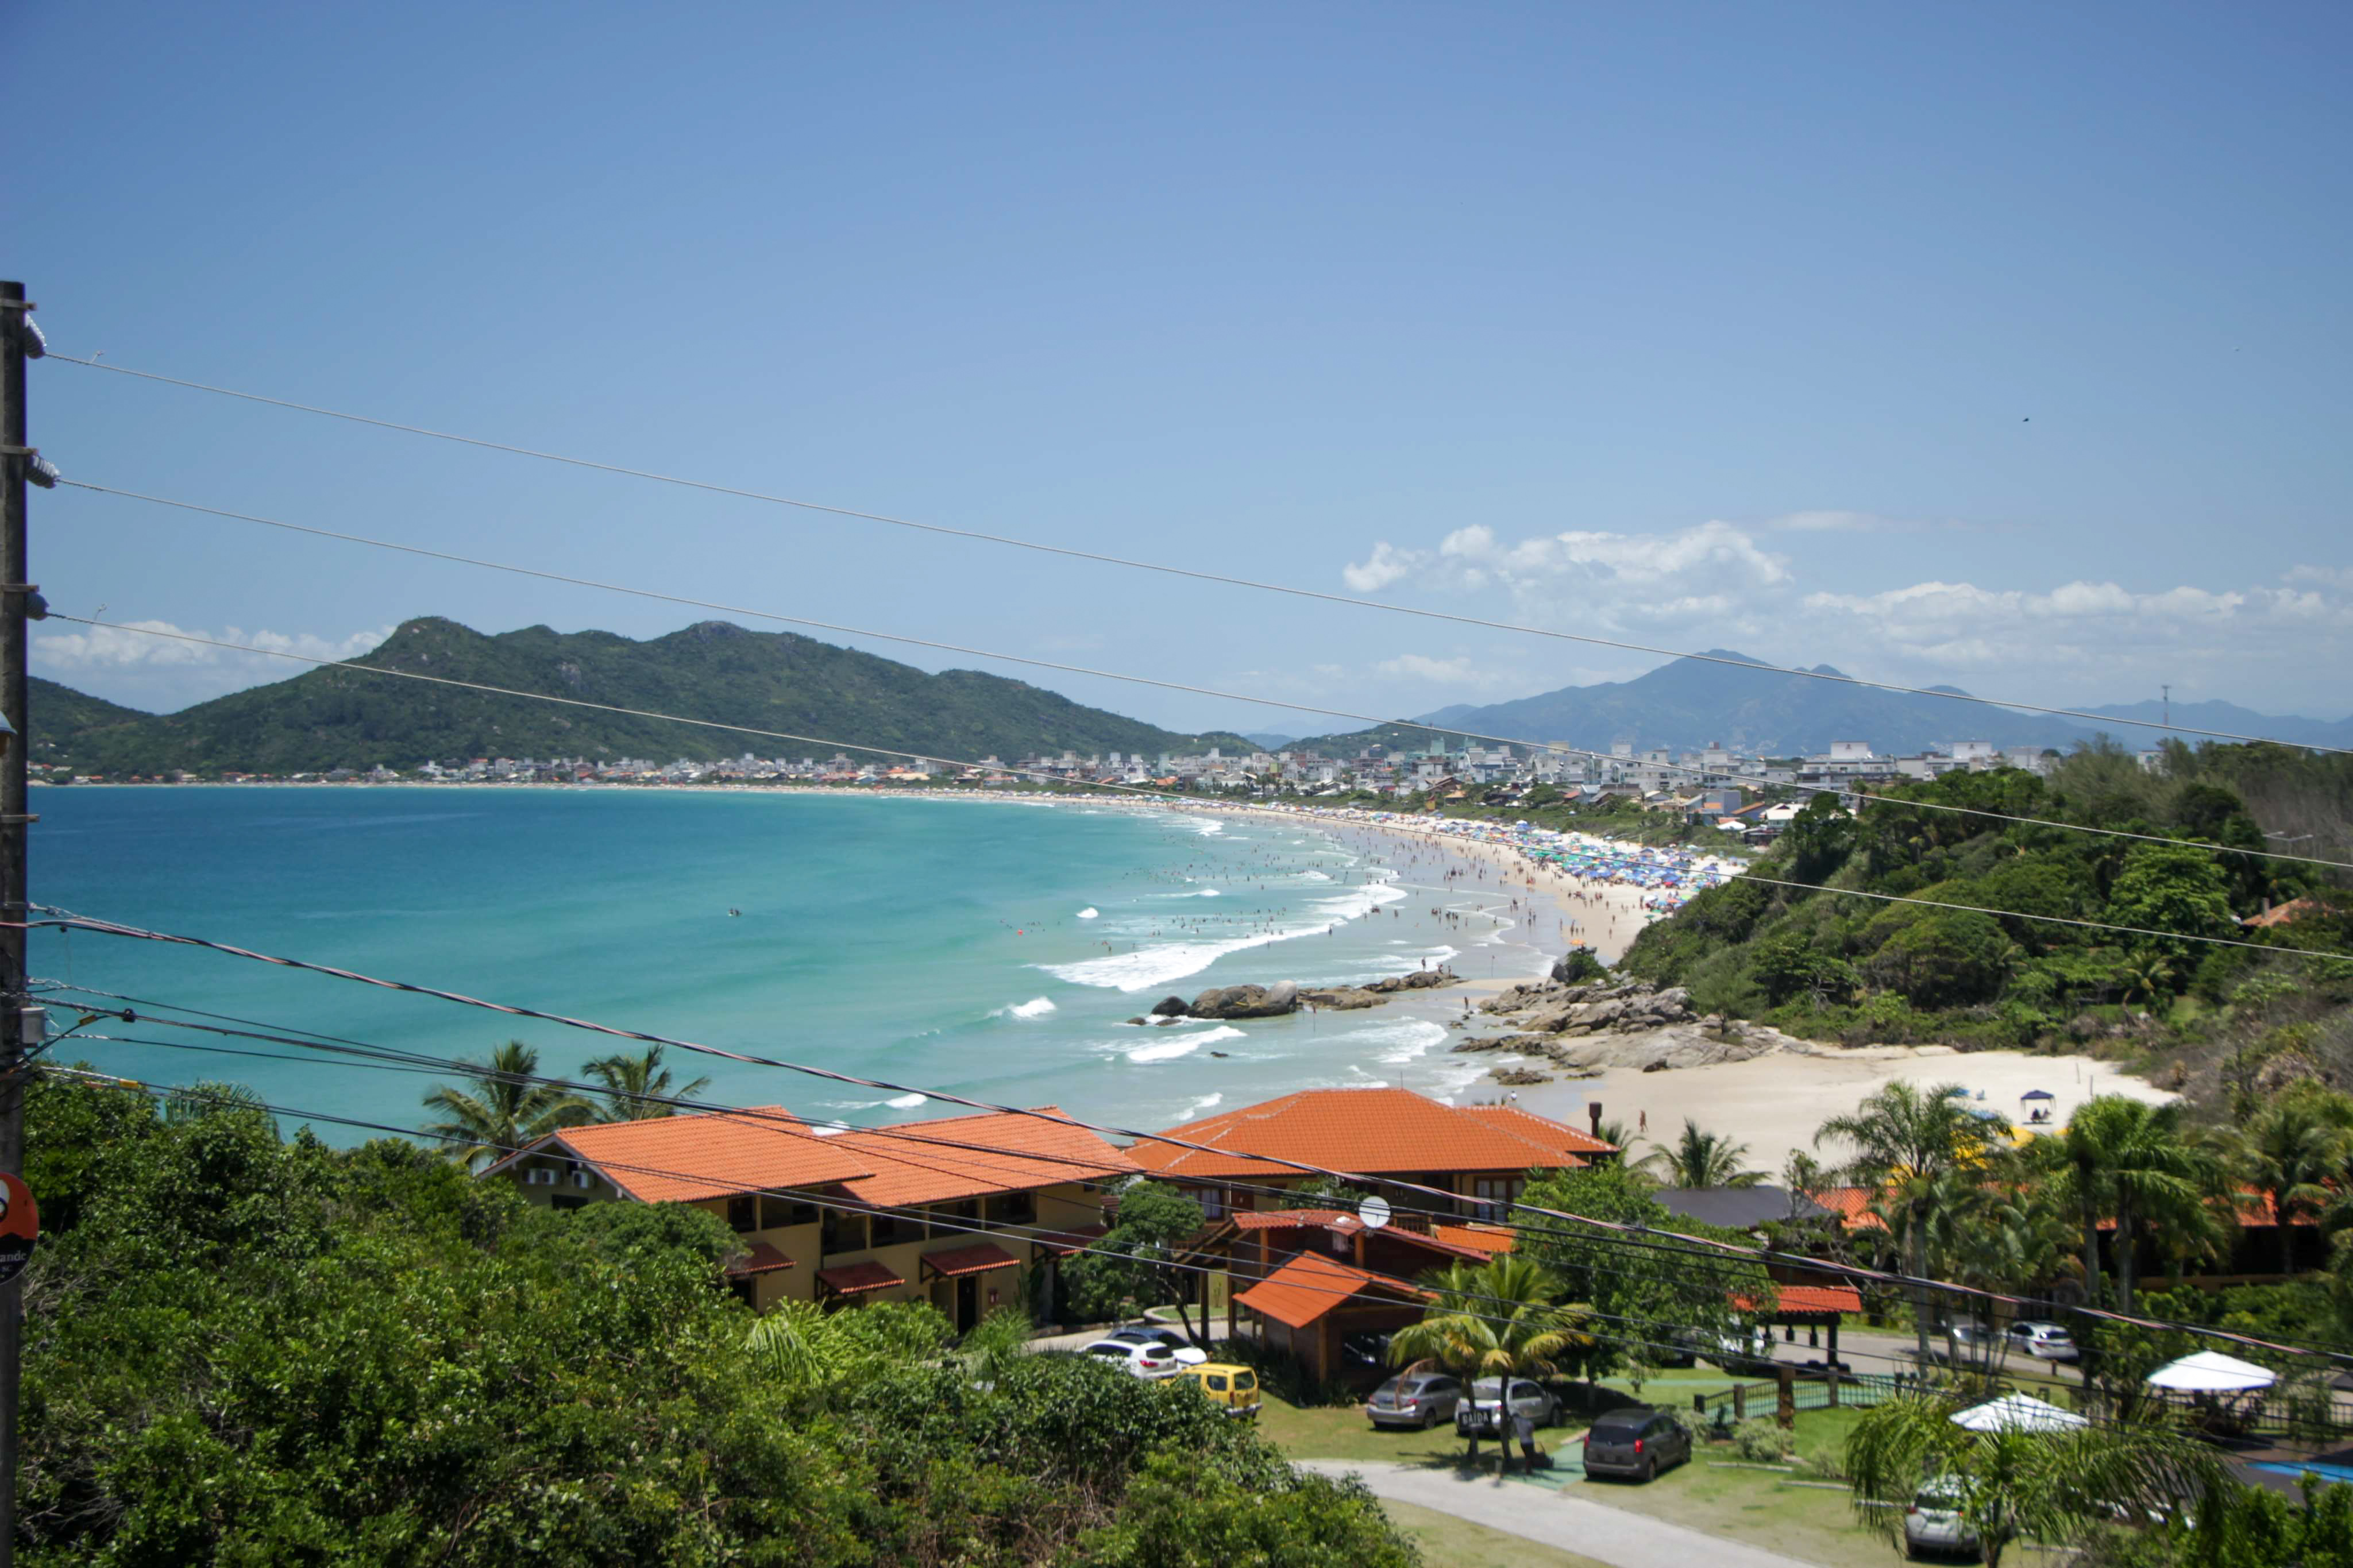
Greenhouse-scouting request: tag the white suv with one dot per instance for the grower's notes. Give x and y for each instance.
(2044, 1342)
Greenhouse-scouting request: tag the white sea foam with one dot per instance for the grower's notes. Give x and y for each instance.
(905, 1102)
(1089, 913)
(1315, 877)
(1207, 1102)
(1399, 1041)
(1183, 1046)
(1207, 826)
(1036, 1007)
(1158, 966)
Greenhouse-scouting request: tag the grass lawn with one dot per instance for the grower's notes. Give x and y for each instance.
(1447, 1541)
(1751, 1506)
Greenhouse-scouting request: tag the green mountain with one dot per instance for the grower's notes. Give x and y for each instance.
(769, 680)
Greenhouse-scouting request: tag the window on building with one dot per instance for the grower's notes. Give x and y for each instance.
(890, 1230)
(840, 1232)
(1013, 1209)
(1211, 1199)
(1493, 1193)
(777, 1212)
(742, 1290)
(743, 1215)
(953, 1219)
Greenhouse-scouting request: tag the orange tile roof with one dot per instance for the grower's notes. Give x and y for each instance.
(1809, 1299)
(1375, 1130)
(761, 1258)
(849, 1279)
(1487, 1238)
(1282, 1219)
(962, 1157)
(1853, 1205)
(704, 1154)
(978, 1258)
(1543, 1129)
(1307, 1286)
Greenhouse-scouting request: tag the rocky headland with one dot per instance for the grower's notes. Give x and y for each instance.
(1591, 1025)
(1286, 996)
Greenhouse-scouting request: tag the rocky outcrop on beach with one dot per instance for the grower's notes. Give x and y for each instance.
(1346, 998)
(1246, 1001)
(1602, 1025)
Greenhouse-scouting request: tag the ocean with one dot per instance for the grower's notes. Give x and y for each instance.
(994, 948)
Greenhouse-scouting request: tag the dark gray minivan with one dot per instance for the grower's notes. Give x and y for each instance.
(1638, 1441)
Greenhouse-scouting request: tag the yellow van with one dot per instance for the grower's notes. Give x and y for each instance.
(1232, 1389)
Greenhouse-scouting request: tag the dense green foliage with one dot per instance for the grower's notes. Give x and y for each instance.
(715, 671)
(1877, 968)
(1647, 1301)
(241, 1348)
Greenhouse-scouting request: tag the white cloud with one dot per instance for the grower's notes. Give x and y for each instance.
(147, 664)
(1386, 566)
(1716, 585)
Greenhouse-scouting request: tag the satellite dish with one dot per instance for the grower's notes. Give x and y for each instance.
(1374, 1211)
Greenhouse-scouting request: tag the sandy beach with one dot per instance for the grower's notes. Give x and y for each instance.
(1774, 1103)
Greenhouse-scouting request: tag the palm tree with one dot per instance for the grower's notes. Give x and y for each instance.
(1904, 1140)
(507, 1112)
(1698, 1159)
(1499, 1319)
(2057, 1487)
(631, 1084)
(2288, 1153)
(2123, 1159)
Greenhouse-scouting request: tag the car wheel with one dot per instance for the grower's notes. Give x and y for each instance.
(1428, 1419)
(1649, 1470)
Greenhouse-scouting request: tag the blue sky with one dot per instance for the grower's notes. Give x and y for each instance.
(2002, 345)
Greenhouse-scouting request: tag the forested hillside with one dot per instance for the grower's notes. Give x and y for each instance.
(714, 670)
(1832, 964)
(245, 1350)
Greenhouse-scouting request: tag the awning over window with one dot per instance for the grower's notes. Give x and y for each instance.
(761, 1259)
(978, 1258)
(854, 1279)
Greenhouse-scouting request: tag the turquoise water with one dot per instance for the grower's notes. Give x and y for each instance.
(990, 948)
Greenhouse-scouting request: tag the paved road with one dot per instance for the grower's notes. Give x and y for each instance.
(1559, 1519)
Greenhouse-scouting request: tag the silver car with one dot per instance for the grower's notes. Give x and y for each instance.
(1477, 1411)
(1933, 1524)
(1414, 1399)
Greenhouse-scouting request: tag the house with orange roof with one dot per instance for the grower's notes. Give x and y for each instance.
(1482, 1155)
(948, 1211)
(1313, 1305)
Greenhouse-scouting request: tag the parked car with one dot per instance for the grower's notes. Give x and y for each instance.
(1742, 1355)
(1933, 1525)
(1147, 1334)
(2044, 1342)
(1232, 1389)
(1414, 1399)
(1477, 1411)
(1149, 1359)
(1963, 1344)
(1636, 1442)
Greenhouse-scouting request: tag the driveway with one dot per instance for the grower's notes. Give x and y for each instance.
(1556, 1519)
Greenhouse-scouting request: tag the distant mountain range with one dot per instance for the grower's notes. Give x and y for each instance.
(332, 718)
(1694, 703)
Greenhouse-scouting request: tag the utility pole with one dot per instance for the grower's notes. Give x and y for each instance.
(16, 597)
(2168, 705)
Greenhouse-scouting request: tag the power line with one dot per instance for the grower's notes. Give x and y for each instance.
(1698, 1246)
(1133, 789)
(1555, 748)
(1192, 573)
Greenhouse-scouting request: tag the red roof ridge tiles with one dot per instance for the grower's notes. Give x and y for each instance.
(697, 1155)
(1373, 1131)
(1309, 1286)
(937, 1160)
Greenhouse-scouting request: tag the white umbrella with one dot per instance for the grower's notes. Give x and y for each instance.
(2212, 1372)
(2018, 1413)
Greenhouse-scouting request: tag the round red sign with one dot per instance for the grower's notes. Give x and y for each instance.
(20, 1226)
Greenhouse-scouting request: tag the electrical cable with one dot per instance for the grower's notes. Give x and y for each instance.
(1555, 748)
(1700, 1246)
(1191, 573)
(1132, 789)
